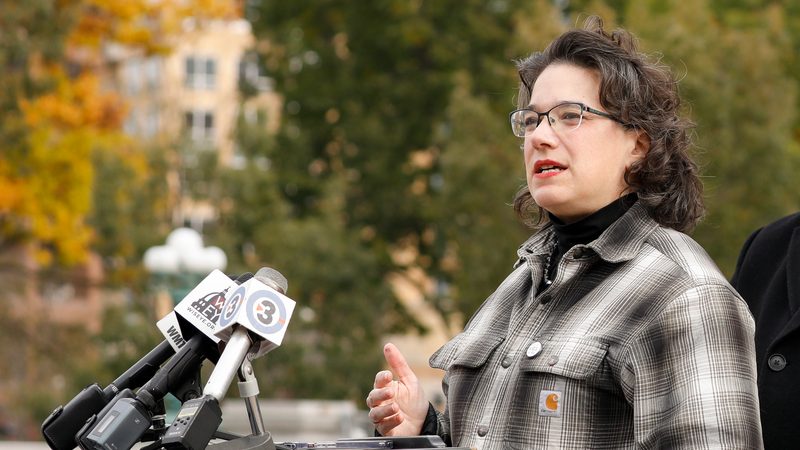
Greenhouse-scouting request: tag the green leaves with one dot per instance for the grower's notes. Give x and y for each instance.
(735, 87)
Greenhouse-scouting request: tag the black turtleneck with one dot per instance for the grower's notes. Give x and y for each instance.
(587, 229)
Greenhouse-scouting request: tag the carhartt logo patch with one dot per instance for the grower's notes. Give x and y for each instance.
(550, 403)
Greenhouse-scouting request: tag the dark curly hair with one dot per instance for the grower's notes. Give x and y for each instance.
(642, 94)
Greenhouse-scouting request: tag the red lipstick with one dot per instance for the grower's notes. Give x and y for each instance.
(546, 168)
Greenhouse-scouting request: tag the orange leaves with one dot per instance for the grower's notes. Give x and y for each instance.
(11, 189)
(145, 24)
(47, 174)
(75, 103)
(65, 125)
(57, 191)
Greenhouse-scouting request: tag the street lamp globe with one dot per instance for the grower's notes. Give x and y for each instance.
(182, 262)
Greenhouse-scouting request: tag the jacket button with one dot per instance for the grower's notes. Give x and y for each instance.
(545, 299)
(534, 349)
(776, 362)
(579, 253)
(506, 362)
(483, 430)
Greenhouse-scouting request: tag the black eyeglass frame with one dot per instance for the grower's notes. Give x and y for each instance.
(540, 115)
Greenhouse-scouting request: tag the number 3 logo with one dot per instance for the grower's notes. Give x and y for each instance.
(266, 312)
(231, 307)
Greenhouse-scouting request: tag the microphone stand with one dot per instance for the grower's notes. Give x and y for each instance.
(189, 427)
(260, 439)
(248, 390)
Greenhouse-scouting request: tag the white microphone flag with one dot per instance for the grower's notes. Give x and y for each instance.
(201, 307)
(259, 308)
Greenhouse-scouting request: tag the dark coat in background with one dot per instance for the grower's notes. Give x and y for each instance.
(768, 277)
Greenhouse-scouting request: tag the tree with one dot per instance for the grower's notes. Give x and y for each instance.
(353, 178)
(481, 168)
(56, 114)
(59, 129)
(331, 273)
(394, 155)
(732, 82)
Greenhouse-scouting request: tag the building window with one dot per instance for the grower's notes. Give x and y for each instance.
(252, 79)
(143, 121)
(201, 72)
(152, 72)
(200, 125)
(152, 122)
(140, 75)
(132, 75)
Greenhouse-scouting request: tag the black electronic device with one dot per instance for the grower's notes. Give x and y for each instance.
(61, 426)
(120, 427)
(200, 415)
(183, 366)
(179, 376)
(424, 441)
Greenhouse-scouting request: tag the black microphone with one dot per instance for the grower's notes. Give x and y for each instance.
(60, 427)
(253, 322)
(182, 369)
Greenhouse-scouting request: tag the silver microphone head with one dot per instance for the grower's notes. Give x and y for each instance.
(273, 279)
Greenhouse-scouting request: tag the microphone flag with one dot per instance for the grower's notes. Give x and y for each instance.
(201, 308)
(259, 308)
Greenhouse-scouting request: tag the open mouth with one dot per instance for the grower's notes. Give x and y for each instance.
(548, 167)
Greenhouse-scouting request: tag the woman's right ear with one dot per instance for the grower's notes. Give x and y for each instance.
(642, 145)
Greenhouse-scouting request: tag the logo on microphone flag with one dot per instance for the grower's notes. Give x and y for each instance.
(259, 308)
(201, 307)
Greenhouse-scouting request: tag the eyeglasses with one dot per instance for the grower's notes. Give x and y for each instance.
(562, 117)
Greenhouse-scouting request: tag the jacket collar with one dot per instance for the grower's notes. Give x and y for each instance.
(620, 242)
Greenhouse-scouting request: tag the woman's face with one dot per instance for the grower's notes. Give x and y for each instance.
(574, 173)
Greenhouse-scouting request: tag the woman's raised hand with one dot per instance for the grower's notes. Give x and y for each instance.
(397, 404)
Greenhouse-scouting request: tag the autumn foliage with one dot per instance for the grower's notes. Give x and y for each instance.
(57, 113)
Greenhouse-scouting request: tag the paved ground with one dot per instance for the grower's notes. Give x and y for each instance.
(11, 445)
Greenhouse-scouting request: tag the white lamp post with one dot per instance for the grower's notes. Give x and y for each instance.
(177, 267)
(182, 262)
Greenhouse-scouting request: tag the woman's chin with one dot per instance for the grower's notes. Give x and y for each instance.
(551, 203)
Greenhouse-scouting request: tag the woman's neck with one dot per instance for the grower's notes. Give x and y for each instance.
(590, 227)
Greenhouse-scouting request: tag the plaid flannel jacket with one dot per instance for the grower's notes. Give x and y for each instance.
(640, 342)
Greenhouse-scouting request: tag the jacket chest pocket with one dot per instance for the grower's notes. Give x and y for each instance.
(464, 354)
(467, 372)
(572, 358)
(569, 381)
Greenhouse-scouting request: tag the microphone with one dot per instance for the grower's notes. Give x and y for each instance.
(189, 329)
(254, 318)
(253, 322)
(60, 427)
(199, 310)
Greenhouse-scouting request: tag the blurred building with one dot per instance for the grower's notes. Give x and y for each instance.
(34, 299)
(192, 97)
